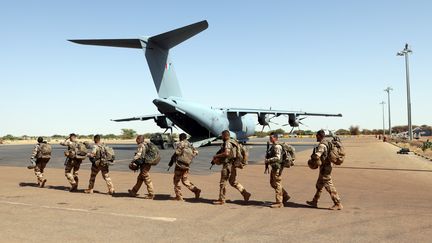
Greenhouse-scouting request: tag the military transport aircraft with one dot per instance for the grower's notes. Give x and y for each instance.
(202, 123)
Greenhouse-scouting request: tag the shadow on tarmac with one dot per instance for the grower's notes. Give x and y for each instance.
(167, 197)
(28, 184)
(370, 168)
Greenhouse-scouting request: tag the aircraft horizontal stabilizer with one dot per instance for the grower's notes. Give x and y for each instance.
(127, 43)
(172, 38)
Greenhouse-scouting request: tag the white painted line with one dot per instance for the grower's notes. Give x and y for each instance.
(16, 203)
(164, 219)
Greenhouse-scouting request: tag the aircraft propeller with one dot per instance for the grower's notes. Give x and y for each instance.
(265, 120)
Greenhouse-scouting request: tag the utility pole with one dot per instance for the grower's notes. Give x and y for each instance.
(383, 113)
(388, 89)
(405, 53)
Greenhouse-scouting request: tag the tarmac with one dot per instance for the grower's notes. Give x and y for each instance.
(386, 198)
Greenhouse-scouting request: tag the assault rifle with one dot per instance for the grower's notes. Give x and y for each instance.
(266, 171)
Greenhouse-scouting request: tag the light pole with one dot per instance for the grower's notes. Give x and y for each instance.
(383, 105)
(388, 89)
(405, 53)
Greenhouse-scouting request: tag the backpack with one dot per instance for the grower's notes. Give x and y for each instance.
(44, 151)
(187, 155)
(152, 155)
(106, 155)
(336, 151)
(288, 155)
(240, 154)
(80, 151)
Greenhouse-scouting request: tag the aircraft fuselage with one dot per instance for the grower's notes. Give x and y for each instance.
(203, 121)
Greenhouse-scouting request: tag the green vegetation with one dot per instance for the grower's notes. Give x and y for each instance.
(343, 132)
(128, 133)
(10, 137)
(354, 130)
(426, 145)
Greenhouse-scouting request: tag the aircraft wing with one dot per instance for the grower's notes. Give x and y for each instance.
(139, 118)
(242, 112)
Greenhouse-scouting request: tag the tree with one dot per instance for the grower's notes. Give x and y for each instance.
(354, 130)
(109, 136)
(56, 136)
(128, 133)
(260, 134)
(10, 137)
(277, 131)
(342, 132)
(366, 132)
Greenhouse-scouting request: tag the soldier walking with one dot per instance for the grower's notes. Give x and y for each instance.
(274, 159)
(320, 156)
(72, 163)
(40, 156)
(182, 158)
(226, 157)
(144, 175)
(99, 163)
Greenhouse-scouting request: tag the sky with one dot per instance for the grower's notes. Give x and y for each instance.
(313, 56)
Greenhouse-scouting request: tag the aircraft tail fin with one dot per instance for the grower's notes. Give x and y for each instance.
(156, 49)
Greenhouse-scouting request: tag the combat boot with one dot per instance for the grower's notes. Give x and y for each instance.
(88, 191)
(178, 198)
(132, 193)
(219, 202)
(312, 203)
(111, 192)
(74, 188)
(286, 198)
(276, 205)
(149, 196)
(246, 195)
(42, 184)
(197, 193)
(337, 206)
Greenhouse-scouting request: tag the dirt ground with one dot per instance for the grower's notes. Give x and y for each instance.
(386, 197)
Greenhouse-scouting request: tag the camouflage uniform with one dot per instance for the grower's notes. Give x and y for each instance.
(40, 164)
(324, 178)
(229, 173)
(98, 166)
(181, 173)
(144, 175)
(275, 160)
(71, 164)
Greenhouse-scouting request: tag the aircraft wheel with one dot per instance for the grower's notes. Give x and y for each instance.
(164, 145)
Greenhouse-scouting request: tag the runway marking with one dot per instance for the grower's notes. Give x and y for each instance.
(164, 219)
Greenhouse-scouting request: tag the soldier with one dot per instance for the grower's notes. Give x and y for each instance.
(71, 163)
(183, 157)
(98, 164)
(40, 156)
(274, 159)
(229, 171)
(320, 156)
(144, 175)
